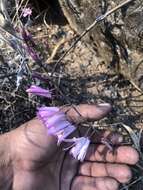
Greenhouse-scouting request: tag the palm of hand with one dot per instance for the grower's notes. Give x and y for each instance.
(38, 162)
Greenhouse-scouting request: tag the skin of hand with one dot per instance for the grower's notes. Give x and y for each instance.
(31, 160)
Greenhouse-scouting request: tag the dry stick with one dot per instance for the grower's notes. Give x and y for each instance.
(9, 33)
(56, 48)
(132, 183)
(98, 19)
(19, 96)
(135, 86)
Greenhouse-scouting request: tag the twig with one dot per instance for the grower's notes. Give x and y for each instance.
(135, 181)
(11, 33)
(98, 19)
(44, 20)
(136, 87)
(56, 48)
(16, 95)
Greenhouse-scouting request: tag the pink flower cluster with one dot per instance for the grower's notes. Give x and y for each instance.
(57, 124)
(79, 147)
(26, 12)
(55, 120)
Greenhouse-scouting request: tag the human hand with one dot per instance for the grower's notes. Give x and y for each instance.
(35, 161)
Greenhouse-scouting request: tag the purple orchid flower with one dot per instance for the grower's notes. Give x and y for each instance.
(45, 112)
(39, 91)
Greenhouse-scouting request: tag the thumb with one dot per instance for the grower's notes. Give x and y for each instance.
(86, 112)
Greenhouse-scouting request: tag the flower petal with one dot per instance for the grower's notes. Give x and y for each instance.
(65, 133)
(80, 147)
(55, 119)
(39, 91)
(45, 112)
(26, 12)
(60, 126)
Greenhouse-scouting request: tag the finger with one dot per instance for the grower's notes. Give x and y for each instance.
(122, 154)
(120, 172)
(112, 137)
(84, 112)
(91, 183)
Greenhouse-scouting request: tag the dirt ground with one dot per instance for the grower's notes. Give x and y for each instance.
(81, 77)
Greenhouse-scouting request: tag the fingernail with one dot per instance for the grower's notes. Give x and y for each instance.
(104, 105)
